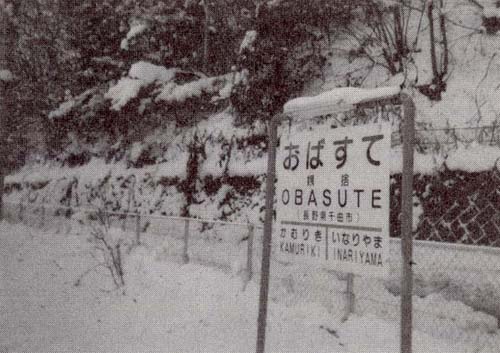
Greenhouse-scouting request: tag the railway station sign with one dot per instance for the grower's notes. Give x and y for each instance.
(333, 198)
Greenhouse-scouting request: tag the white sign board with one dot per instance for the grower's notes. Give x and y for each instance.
(333, 198)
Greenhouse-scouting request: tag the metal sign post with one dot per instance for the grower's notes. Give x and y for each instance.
(406, 224)
(268, 229)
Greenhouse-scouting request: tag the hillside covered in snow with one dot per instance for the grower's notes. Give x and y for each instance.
(186, 142)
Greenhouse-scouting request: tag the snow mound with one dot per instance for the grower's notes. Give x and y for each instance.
(150, 73)
(6, 75)
(174, 168)
(63, 109)
(425, 164)
(475, 158)
(135, 30)
(141, 74)
(248, 41)
(96, 169)
(125, 90)
(253, 167)
(66, 106)
(180, 93)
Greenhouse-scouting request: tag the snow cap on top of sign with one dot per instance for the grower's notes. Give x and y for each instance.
(336, 100)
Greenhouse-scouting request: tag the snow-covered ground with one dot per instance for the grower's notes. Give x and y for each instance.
(169, 307)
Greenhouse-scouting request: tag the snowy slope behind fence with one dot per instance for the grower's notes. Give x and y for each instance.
(456, 287)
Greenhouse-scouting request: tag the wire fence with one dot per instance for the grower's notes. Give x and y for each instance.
(456, 287)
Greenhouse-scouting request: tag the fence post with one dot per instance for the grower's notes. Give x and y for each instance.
(267, 240)
(249, 254)
(350, 299)
(185, 256)
(138, 228)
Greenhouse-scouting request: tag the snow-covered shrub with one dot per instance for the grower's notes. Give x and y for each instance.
(107, 230)
(109, 242)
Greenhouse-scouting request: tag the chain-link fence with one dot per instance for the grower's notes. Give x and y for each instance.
(456, 287)
(228, 246)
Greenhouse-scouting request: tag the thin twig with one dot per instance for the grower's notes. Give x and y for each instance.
(80, 278)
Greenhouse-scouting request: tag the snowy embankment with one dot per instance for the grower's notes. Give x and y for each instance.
(469, 102)
(166, 307)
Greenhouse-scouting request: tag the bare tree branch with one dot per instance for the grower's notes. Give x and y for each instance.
(477, 4)
(476, 96)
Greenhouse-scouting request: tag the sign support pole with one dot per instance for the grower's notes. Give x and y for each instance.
(349, 296)
(406, 224)
(268, 228)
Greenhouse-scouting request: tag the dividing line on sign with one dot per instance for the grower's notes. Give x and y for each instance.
(337, 226)
(326, 243)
